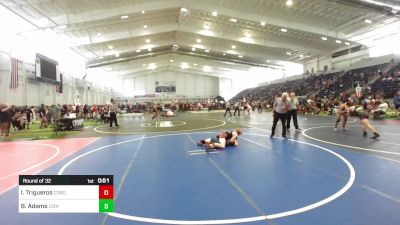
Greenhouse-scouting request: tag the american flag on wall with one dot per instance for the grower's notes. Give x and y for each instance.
(14, 73)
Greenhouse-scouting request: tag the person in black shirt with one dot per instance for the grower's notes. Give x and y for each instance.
(155, 112)
(42, 116)
(4, 120)
(28, 112)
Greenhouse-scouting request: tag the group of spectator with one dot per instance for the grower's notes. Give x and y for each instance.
(13, 118)
(327, 90)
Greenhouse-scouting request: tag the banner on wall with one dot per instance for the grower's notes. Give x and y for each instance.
(145, 96)
(59, 86)
(14, 74)
(165, 87)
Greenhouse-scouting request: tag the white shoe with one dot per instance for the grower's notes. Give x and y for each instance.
(334, 129)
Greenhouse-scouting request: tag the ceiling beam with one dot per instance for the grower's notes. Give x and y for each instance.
(273, 41)
(242, 15)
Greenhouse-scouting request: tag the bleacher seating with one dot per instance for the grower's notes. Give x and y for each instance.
(389, 83)
(350, 79)
(331, 84)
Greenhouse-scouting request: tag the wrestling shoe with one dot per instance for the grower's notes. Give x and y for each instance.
(376, 135)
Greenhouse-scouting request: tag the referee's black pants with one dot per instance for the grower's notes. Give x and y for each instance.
(277, 117)
(228, 109)
(113, 118)
(237, 109)
(292, 113)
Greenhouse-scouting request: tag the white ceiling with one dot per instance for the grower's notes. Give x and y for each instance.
(95, 25)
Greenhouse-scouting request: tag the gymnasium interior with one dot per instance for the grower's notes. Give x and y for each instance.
(200, 112)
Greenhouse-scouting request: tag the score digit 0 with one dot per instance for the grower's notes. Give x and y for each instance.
(106, 192)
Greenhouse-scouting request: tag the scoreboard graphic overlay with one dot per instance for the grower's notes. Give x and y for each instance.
(66, 193)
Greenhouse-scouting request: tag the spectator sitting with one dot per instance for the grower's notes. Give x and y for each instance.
(381, 110)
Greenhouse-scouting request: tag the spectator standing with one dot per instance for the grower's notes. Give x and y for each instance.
(42, 116)
(396, 102)
(33, 114)
(4, 119)
(28, 113)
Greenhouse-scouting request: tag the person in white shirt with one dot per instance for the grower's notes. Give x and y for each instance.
(280, 109)
(380, 110)
(228, 109)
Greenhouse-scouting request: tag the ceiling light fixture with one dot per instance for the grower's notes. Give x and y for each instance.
(207, 27)
(283, 30)
(138, 50)
(193, 49)
(147, 40)
(288, 53)
(324, 38)
(184, 10)
(223, 53)
(338, 41)
(152, 66)
(100, 57)
(117, 55)
(149, 49)
(262, 23)
(215, 13)
(206, 68)
(198, 40)
(143, 12)
(110, 47)
(240, 56)
(171, 60)
(289, 2)
(145, 26)
(125, 17)
(367, 21)
(268, 61)
(184, 65)
(347, 43)
(233, 46)
(207, 50)
(98, 34)
(195, 64)
(233, 20)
